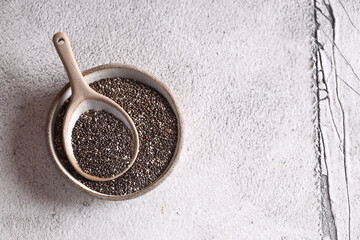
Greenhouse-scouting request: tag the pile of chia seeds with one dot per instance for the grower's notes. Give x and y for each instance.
(102, 144)
(157, 127)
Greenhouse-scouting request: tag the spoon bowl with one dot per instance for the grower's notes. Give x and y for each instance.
(92, 76)
(84, 98)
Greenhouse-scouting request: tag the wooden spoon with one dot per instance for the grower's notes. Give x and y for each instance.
(84, 98)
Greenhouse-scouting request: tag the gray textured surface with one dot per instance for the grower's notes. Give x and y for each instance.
(242, 75)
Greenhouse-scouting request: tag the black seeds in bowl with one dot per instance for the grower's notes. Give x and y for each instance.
(102, 144)
(157, 127)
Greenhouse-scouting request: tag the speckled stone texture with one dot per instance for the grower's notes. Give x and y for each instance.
(241, 73)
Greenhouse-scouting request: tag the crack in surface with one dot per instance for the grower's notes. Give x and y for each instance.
(327, 212)
(326, 89)
(331, 67)
(329, 16)
(347, 14)
(333, 25)
(342, 55)
(354, 90)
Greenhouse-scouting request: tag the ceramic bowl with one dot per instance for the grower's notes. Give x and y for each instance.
(112, 71)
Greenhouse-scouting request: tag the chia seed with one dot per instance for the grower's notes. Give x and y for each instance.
(157, 127)
(102, 144)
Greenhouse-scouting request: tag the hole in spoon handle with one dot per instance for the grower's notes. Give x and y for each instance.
(60, 38)
(63, 48)
(61, 41)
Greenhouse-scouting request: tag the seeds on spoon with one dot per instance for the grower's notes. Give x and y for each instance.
(102, 144)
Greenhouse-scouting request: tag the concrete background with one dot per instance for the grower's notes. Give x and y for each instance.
(243, 75)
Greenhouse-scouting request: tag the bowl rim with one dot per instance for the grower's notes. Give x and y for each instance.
(77, 183)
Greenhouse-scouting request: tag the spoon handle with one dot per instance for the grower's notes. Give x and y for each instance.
(77, 83)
